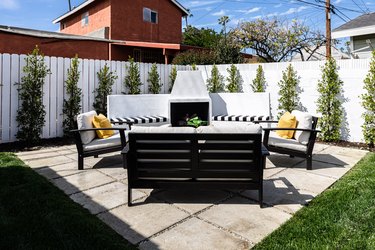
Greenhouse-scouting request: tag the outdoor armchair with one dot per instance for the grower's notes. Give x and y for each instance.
(301, 146)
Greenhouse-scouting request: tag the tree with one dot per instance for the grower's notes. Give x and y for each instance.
(72, 105)
(204, 37)
(31, 113)
(196, 56)
(106, 80)
(133, 78)
(275, 41)
(288, 93)
(259, 82)
(368, 103)
(172, 77)
(216, 82)
(234, 79)
(154, 80)
(329, 103)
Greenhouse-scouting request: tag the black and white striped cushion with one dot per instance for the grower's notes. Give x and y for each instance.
(139, 119)
(241, 118)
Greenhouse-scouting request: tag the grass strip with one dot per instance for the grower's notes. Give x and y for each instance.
(34, 214)
(342, 217)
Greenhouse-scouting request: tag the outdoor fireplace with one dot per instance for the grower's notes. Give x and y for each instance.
(189, 98)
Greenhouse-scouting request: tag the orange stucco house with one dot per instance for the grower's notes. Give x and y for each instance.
(149, 31)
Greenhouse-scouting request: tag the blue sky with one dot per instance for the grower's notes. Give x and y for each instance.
(38, 14)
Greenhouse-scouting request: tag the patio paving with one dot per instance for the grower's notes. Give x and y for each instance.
(193, 219)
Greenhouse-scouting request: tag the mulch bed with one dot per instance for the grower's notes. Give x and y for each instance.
(44, 143)
(347, 144)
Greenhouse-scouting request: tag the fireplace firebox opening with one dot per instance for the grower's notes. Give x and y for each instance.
(181, 111)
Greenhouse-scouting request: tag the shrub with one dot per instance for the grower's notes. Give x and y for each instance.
(216, 82)
(368, 103)
(235, 80)
(106, 80)
(133, 78)
(72, 105)
(172, 77)
(31, 113)
(259, 82)
(189, 57)
(329, 104)
(154, 79)
(288, 93)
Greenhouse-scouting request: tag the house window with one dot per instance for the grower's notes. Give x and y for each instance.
(85, 19)
(150, 15)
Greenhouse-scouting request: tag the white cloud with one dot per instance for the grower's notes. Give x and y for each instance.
(257, 17)
(252, 10)
(293, 10)
(337, 1)
(219, 13)
(9, 4)
(194, 4)
(278, 5)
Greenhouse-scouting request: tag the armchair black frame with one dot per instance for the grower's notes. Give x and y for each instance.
(86, 153)
(304, 154)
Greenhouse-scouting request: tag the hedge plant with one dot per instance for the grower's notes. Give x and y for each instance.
(259, 83)
(31, 113)
(154, 86)
(72, 105)
(106, 80)
(368, 103)
(289, 90)
(172, 77)
(329, 103)
(234, 80)
(215, 84)
(133, 78)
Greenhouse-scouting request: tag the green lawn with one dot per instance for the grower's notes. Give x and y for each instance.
(343, 217)
(34, 214)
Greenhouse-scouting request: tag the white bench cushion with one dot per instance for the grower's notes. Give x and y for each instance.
(112, 141)
(84, 121)
(219, 127)
(162, 129)
(277, 141)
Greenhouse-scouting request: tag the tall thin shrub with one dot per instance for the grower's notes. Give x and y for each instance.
(368, 103)
(215, 84)
(72, 105)
(234, 80)
(31, 113)
(288, 93)
(154, 86)
(133, 78)
(172, 77)
(329, 103)
(259, 82)
(106, 80)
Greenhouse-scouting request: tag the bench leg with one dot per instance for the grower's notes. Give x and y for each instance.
(130, 197)
(261, 196)
(309, 162)
(96, 156)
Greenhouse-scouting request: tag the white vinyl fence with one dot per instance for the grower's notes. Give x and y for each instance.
(352, 72)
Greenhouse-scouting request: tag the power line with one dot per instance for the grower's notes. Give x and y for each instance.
(359, 6)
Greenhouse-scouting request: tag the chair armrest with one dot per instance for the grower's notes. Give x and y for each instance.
(94, 129)
(256, 122)
(295, 129)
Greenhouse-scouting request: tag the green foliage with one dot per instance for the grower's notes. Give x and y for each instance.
(204, 37)
(196, 122)
(288, 93)
(72, 105)
(329, 103)
(106, 80)
(368, 103)
(216, 82)
(198, 56)
(194, 67)
(154, 79)
(259, 82)
(234, 80)
(31, 113)
(172, 77)
(133, 78)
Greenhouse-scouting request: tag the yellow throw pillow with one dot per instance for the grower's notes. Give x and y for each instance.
(100, 121)
(287, 120)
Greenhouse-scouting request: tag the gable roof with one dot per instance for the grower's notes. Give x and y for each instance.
(88, 2)
(362, 25)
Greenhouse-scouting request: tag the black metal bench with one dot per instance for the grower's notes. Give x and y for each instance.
(179, 160)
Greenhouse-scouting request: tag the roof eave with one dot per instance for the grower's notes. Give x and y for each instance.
(81, 6)
(353, 32)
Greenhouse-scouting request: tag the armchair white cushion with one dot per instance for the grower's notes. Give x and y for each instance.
(114, 140)
(277, 141)
(304, 120)
(84, 121)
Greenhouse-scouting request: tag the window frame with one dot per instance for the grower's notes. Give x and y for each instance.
(148, 15)
(85, 19)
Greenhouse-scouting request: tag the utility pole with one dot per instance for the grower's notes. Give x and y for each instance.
(70, 5)
(328, 29)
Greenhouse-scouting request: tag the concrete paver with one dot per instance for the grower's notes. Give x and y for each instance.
(192, 219)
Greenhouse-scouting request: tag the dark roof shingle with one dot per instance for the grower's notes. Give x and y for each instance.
(359, 22)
